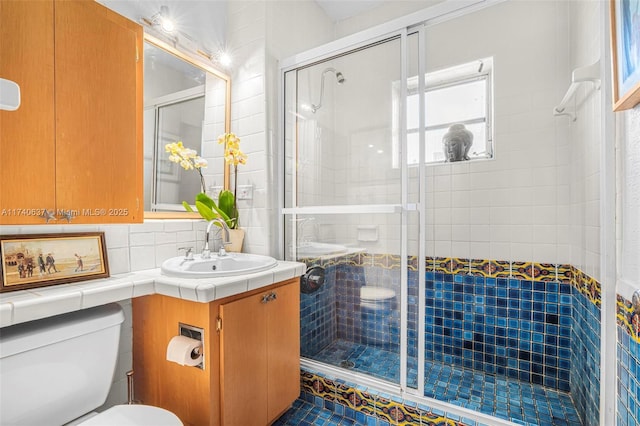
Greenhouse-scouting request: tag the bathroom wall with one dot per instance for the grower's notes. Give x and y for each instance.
(584, 156)
(515, 207)
(258, 34)
(628, 252)
(627, 199)
(584, 151)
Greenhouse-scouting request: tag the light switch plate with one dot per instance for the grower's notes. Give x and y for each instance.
(245, 192)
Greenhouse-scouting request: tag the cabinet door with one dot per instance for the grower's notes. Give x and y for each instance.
(283, 339)
(27, 145)
(243, 363)
(98, 83)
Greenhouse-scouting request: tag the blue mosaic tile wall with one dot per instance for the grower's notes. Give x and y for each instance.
(628, 318)
(517, 328)
(377, 327)
(585, 358)
(318, 327)
(628, 379)
(499, 320)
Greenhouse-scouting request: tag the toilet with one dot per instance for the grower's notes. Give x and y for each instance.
(56, 371)
(376, 298)
(379, 321)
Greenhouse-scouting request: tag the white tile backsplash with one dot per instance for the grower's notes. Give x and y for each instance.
(118, 260)
(142, 257)
(142, 239)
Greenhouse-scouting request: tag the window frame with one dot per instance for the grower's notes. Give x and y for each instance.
(450, 77)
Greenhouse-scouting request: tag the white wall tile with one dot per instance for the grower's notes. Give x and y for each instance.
(142, 239)
(142, 258)
(118, 260)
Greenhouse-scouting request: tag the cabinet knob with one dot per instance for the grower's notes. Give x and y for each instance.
(268, 297)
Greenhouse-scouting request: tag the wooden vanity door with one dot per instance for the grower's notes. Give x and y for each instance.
(283, 335)
(260, 355)
(243, 362)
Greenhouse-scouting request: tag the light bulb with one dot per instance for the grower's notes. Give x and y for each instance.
(167, 25)
(224, 59)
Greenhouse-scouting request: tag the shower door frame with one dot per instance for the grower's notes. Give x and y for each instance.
(403, 208)
(400, 27)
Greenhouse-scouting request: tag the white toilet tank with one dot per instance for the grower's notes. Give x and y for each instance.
(56, 369)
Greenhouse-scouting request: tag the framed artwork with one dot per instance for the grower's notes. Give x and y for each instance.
(30, 261)
(625, 53)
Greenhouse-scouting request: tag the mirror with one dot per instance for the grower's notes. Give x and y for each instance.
(185, 100)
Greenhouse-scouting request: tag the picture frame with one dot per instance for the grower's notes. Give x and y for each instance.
(39, 260)
(625, 54)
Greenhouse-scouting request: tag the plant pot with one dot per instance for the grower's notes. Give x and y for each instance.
(236, 236)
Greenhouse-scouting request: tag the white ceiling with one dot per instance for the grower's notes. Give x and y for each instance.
(338, 10)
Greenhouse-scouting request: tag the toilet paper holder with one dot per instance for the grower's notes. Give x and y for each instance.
(195, 333)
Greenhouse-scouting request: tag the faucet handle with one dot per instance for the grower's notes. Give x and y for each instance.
(188, 252)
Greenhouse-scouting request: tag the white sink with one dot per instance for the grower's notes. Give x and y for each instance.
(217, 266)
(314, 249)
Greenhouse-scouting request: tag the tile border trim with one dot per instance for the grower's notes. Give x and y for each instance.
(326, 393)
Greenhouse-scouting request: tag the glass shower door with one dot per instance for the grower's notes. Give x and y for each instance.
(344, 215)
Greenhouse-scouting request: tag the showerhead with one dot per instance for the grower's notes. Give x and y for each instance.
(339, 77)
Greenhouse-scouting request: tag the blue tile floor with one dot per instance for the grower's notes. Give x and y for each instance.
(305, 414)
(499, 396)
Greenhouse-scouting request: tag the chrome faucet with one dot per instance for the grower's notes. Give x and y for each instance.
(206, 253)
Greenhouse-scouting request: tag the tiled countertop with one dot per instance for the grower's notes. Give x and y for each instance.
(27, 305)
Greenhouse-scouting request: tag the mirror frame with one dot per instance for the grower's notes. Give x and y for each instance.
(227, 120)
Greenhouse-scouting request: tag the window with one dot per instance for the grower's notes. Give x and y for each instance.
(455, 95)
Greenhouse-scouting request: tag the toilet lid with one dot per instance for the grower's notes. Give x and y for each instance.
(134, 415)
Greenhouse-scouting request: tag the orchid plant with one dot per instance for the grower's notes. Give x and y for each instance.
(232, 156)
(226, 208)
(187, 158)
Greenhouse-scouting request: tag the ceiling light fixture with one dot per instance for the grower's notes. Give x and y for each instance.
(224, 59)
(161, 20)
(161, 25)
(166, 23)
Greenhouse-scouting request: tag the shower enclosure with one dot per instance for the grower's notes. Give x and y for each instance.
(345, 196)
(399, 148)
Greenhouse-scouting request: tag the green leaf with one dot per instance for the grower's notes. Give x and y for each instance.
(206, 200)
(205, 211)
(226, 201)
(187, 207)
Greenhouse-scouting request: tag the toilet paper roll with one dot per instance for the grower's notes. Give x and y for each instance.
(184, 351)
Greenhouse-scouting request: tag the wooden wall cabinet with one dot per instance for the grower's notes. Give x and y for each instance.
(252, 363)
(75, 144)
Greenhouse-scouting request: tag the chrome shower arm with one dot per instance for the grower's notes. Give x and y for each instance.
(340, 79)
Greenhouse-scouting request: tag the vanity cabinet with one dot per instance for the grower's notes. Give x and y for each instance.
(251, 345)
(260, 342)
(74, 146)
